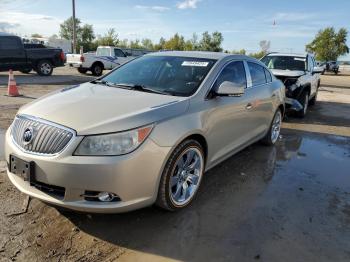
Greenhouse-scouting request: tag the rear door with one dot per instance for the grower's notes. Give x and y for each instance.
(260, 96)
(12, 54)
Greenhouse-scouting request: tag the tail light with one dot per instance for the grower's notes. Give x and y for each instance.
(62, 56)
(82, 58)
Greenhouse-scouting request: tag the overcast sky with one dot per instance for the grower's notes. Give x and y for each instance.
(243, 23)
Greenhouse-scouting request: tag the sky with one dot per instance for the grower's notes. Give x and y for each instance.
(288, 25)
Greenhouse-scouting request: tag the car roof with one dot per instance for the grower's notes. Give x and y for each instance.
(288, 54)
(6, 34)
(199, 54)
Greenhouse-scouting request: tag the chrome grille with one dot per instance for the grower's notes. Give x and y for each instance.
(47, 138)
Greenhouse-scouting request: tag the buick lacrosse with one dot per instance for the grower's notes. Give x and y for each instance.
(143, 134)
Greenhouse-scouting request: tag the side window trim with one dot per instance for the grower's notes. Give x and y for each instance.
(247, 73)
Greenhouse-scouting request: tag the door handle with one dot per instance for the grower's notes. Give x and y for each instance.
(249, 106)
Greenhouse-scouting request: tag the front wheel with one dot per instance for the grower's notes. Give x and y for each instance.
(44, 68)
(182, 176)
(275, 128)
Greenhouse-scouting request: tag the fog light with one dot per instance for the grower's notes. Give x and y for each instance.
(106, 196)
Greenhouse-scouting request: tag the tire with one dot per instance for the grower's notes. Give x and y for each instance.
(26, 70)
(44, 68)
(82, 70)
(173, 198)
(97, 69)
(304, 101)
(313, 100)
(274, 131)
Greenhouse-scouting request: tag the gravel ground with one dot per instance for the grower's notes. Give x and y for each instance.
(290, 202)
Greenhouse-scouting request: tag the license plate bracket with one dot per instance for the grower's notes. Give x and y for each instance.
(21, 168)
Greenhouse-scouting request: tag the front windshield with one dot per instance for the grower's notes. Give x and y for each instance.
(285, 62)
(167, 74)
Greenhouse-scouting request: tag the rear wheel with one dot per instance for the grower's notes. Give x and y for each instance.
(44, 68)
(304, 101)
(82, 70)
(182, 176)
(275, 129)
(97, 69)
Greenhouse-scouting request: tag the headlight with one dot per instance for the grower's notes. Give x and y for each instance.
(113, 144)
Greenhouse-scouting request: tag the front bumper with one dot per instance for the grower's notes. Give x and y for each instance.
(293, 104)
(133, 177)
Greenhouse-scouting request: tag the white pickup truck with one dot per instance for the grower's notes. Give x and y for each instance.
(105, 57)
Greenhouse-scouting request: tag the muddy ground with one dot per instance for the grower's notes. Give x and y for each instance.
(290, 202)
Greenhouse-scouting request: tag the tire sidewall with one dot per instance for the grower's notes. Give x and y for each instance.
(98, 73)
(39, 68)
(164, 188)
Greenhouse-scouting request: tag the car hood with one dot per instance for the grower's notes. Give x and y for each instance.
(93, 109)
(288, 73)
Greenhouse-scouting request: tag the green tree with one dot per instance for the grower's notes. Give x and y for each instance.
(258, 55)
(161, 44)
(177, 42)
(136, 44)
(147, 44)
(239, 52)
(328, 44)
(85, 33)
(109, 39)
(66, 28)
(211, 42)
(86, 37)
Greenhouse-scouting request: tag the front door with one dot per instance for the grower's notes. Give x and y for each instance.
(230, 122)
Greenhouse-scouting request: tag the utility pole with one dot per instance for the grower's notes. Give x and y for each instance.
(74, 30)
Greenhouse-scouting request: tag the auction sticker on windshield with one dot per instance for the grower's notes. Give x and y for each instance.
(195, 63)
(299, 59)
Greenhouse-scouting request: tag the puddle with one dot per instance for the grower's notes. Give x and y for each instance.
(2, 144)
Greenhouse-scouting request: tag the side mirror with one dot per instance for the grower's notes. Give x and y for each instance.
(228, 88)
(317, 70)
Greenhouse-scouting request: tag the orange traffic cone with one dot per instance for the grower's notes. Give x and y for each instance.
(12, 89)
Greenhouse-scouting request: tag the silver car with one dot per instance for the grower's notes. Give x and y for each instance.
(143, 134)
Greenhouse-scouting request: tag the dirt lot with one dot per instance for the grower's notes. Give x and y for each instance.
(290, 202)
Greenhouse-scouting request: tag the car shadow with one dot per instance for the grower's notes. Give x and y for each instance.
(210, 223)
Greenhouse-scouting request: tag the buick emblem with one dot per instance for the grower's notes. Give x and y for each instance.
(28, 135)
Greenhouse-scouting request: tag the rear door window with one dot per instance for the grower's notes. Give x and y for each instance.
(257, 73)
(233, 72)
(10, 43)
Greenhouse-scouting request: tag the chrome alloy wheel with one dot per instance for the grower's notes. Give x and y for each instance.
(45, 68)
(186, 176)
(276, 127)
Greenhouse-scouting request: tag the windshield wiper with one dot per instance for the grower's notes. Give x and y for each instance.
(144, 88)
(101, 82)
